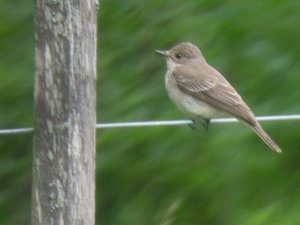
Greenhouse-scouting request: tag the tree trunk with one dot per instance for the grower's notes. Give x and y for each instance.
(65, 112)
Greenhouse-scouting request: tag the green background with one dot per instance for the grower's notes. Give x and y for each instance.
(170, 175)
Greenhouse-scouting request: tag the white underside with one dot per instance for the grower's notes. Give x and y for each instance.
(189, 105)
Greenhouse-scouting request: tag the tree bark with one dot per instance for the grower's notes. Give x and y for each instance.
(63, 189)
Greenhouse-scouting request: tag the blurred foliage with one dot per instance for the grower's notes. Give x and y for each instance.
(170, 175)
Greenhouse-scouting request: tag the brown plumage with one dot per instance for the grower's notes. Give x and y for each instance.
(201, 91)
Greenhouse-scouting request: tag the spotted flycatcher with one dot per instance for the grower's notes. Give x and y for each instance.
(202, 93)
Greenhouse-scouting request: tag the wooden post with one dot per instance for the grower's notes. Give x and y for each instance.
(63, 189)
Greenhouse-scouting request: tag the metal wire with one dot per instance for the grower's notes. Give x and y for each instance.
(182, 122)
(162, 123)
(16, 130)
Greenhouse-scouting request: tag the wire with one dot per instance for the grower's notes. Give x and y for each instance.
(182, 122)
(16, 130)
(162, 123)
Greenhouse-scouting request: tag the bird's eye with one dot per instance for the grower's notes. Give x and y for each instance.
(178, 55)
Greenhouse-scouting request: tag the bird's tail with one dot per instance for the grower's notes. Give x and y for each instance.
(256, 127)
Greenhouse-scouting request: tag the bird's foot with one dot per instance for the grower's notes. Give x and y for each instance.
(204, 122)
(193, 125)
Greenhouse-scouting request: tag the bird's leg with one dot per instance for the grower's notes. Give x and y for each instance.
(193, 125)
(205, 123)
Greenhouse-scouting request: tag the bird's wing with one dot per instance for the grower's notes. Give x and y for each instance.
(210, 86)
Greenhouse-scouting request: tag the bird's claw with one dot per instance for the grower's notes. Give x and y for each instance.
(205, 123)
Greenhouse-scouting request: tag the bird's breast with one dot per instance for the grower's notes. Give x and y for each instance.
(188, 104)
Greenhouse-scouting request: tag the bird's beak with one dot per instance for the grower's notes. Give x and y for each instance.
(162, 52)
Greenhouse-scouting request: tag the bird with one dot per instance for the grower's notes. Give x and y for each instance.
(203, 93)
